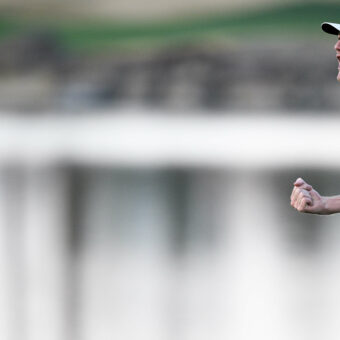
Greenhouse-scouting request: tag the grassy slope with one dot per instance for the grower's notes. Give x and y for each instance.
(299, 20)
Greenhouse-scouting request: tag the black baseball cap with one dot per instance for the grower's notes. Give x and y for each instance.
(331, 27)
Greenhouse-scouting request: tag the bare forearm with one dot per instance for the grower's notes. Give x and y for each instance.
(332, 204)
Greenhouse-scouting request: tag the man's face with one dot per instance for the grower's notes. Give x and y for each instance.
(337, 49)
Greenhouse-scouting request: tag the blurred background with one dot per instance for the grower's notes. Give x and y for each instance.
(147, 153)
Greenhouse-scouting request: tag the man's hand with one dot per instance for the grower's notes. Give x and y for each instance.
(305, 199)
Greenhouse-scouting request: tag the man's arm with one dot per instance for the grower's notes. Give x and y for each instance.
(305, 199)
(332, 204)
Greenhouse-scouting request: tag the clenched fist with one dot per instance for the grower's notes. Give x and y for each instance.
(305, 199)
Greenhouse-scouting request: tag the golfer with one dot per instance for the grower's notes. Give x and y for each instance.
(304, 198)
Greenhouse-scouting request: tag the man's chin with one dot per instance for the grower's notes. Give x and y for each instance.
(338, 77)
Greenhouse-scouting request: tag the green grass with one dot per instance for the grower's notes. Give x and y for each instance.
(293, 21)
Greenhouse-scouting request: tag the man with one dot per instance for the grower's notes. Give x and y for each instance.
(304, 198)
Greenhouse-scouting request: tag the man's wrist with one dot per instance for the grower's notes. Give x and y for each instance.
(331, 205)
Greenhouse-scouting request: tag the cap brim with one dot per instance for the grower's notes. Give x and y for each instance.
(330, 28)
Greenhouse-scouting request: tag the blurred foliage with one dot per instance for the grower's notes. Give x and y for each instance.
(292, 21)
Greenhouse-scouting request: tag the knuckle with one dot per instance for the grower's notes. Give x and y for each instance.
(299, 181)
